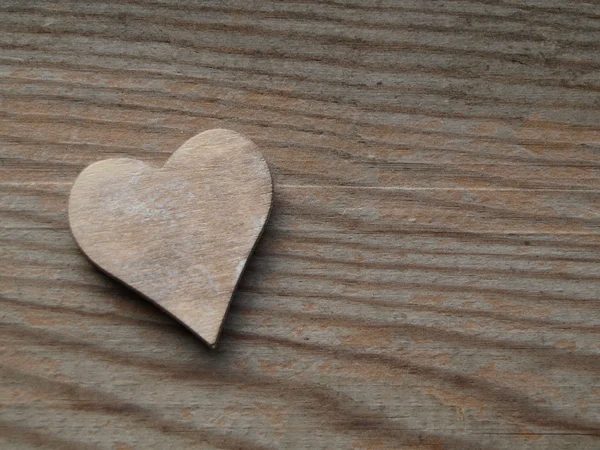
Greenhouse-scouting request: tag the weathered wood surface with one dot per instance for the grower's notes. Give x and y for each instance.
(430, 274)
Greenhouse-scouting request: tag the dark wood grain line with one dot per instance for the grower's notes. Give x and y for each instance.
(465, 74)
(520, 5)
(77, 145)
(330, 405)
(431, 287)
(511, 238)
(340, 243)
(157, 319)
(536, 8)
(543, 299)
(323, 12)
(345, 154)
(537, 415)
(356, 25)
(168, 96)
(124, 104)
(546, 353)
(455, 270)
(321, 215)
(92, 400)
(504, 397)
(271, 54)
(352, 42)
(549, 354)
(374, 107)
(291, 296)
(397, 286)
(15, 432)
(436, 11)
(335, 221)
(140, 126)
(439, 168)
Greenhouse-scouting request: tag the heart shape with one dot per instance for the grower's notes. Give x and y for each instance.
(179, 235)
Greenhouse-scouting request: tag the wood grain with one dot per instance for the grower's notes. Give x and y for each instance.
(179, 235)
(430, 274)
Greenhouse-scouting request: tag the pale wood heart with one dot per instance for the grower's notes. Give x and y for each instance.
(179, 235)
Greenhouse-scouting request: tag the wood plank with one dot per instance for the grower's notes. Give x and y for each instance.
(428, 279)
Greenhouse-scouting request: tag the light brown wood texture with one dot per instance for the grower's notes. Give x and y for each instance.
(430, 274)
(180, 235)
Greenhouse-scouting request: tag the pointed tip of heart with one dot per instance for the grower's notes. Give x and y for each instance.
(211, 339)
(208, 332)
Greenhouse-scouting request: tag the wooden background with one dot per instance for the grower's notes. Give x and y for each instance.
(429, 278)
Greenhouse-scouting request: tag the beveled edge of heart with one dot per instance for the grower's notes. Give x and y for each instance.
(216, 138)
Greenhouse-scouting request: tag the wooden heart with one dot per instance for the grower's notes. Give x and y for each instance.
(179, 235)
